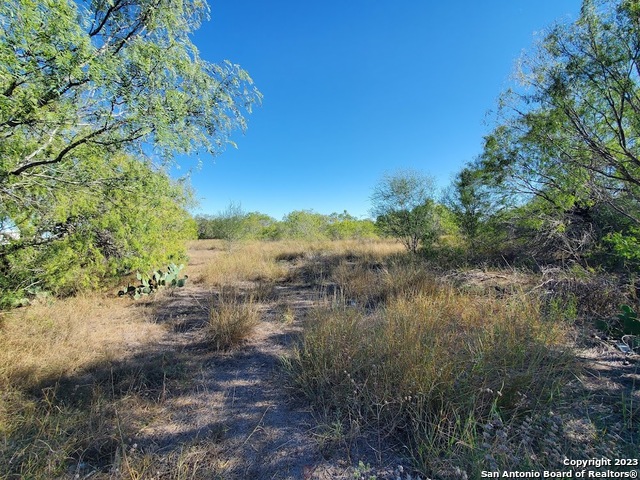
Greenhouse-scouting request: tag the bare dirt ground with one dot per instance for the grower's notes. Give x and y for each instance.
(236, 397)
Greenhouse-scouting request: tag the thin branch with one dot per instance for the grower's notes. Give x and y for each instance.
(60, 155)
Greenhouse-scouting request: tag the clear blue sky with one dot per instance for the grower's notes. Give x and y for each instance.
(356, 88)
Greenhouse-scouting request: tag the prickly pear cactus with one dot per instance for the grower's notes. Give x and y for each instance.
(158, 279)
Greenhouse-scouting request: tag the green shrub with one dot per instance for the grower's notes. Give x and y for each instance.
(84, 239)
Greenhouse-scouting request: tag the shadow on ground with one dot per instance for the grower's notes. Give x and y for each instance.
(173, 398)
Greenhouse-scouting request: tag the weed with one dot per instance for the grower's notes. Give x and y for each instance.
(465, 382)
(263, 291)
(330, 435)
(363, 472)
(272, 261)
(562, 308)
(630, 324)
(285, 313)
(72, 396)
(252, 261)
(232, 318)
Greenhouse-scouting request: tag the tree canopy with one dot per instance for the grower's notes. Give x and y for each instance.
(92, 78)
(87, 88)
(568, 134)
(571, 135)
(234, 224)
(403, 205)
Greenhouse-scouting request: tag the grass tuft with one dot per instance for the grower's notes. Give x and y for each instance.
(232, 319)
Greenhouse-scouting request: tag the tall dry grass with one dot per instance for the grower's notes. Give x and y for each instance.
(367, 281)
(247, 261)
(274, 261)
(430, 365)
(232, 318)
(54, 338)
(463, 380)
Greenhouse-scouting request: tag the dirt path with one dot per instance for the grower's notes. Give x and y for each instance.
(236, 402)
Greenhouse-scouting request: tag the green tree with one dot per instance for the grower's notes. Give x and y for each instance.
(404, 208)
(86, 89)
(206, 226)
(259, 226)
(232, 223)
(471, 202)
(569, 135)
(105, 76)
(305, 225)
(99, 233)
(343, 225)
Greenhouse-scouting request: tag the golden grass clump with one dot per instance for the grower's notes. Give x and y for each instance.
(44, 425)
(431, 367)
(232, 319)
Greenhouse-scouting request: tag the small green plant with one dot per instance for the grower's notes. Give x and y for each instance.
(565, 309)
(151, 283)
(363, 472)
(330, 434)
(629, 321)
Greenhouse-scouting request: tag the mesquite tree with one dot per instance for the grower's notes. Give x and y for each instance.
(84, 84)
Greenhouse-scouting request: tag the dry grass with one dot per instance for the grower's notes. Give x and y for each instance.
(76, 382)
(251, 261)
(367, 282)
(464, 379)
(429, 365)
(188, 463)
(58, 338)
(232, 319)
(76, 385)
(45, 426)
(273, 261)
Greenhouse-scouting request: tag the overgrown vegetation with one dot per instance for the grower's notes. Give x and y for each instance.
(562, 162)
(70, 387)
(465, 379)
(465, 373)
(432, 368)
(463, 376)
(96, 234)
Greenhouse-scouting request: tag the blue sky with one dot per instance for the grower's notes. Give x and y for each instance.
(354, 89)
